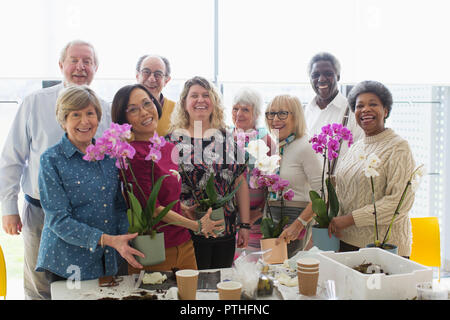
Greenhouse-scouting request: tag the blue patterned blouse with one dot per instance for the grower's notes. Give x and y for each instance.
(81, 200)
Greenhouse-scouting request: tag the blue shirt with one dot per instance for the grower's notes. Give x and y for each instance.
(81, 200)
(33, 131)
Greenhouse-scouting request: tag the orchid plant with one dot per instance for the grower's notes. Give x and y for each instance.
(371, 163)
(328, 143)
(114, 143)
(264, 176)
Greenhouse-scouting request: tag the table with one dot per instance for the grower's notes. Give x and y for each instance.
(90, 290)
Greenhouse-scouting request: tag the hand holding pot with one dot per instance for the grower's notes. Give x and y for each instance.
(209, 226)
(120, 243)
(340, 223)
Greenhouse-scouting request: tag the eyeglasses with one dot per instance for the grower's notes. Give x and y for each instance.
(146, 73)
(282, 115)
(134, 109)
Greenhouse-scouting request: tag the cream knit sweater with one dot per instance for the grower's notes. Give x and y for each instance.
(355, 196)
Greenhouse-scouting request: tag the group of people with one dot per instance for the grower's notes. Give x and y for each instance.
(75, 211)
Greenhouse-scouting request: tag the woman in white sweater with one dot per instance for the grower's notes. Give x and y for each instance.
(299, 165)
(372, 102)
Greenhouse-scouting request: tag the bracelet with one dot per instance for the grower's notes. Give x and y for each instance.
(101, 241)
(199, 231)
(303, 222)
(244, 225)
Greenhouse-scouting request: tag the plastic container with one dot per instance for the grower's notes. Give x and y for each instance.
(400, 283)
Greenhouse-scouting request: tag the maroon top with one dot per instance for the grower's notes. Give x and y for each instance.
(170, 190)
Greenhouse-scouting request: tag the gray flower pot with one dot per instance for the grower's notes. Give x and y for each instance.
(153, 249)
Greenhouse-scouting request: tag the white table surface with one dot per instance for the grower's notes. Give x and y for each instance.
(90, 290)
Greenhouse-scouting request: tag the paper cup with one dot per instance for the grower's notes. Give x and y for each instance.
(229, 290)
(187, 280)
(307, 263)
(304, 269)
(307, 283)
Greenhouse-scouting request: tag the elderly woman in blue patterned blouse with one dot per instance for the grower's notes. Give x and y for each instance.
(85, 214)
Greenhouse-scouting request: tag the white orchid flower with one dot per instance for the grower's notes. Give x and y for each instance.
(175, 174)
(416, 177)
(268, 164)
(371, 162)
(257, 148)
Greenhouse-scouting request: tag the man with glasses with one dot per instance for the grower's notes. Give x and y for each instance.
(153, 72)
(35, 129)
(329, 105)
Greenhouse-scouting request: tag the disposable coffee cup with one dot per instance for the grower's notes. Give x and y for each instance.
(229, 290)
(304, 269)
(187, 280)
(307, 263)
(307, 282)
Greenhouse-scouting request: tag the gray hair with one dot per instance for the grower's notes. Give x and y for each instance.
(325, 56)
(63, 54)
(164, 59)
(250, 97)
(74, 98)
(375, 87)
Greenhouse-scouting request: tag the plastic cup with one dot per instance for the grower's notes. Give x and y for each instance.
(187, 280)
(307, 282)
(229, 290)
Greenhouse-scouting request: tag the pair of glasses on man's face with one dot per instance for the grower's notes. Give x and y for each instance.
(282, 115)
(134, 109)
(146, 73)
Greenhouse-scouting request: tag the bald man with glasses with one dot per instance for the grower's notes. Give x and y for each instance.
(153, 72)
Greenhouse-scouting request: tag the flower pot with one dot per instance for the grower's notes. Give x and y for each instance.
(153, 249)
(323, 241)
(216, 214)
(278, 253)
(388, 247)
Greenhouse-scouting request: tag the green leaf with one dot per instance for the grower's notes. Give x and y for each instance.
(211, 189)
(279, 228)
(220, 203)
(332, 200)
(162, 214)
(320, 209)
(313, 195)
(134, 214)
(267, 228)
(151, 201)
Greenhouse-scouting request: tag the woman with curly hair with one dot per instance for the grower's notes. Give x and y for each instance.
(206, 147)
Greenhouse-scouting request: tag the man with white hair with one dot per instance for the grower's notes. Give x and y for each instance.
(153, 72)
(329, 105)
(35, 129)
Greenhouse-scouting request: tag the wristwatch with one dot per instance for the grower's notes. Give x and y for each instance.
(303, 222)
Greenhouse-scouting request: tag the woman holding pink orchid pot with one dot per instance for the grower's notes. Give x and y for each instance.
(208, 150)
(299, 165)
(364, 204)
(85, 214)
(246, 110)
(135, 106)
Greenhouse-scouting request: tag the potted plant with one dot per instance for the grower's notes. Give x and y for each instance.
(371, 164)
(326, 205)
(263, 176)
(144, 221)
(210, 198)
